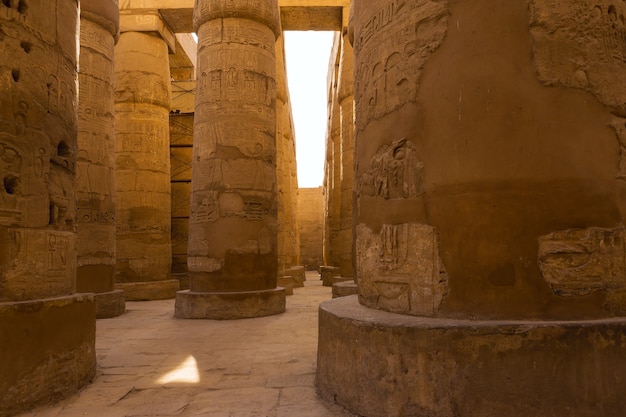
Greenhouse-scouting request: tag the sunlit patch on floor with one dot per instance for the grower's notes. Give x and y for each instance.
(186, 372)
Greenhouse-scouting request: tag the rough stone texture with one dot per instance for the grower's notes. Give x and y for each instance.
(46, 333)
(344, 289)
(298, 274)
(310, 225)
(149, 290)
(581, 261)
(327, 273)
(229, 305)
(345, 99)
(413, 366)
(143, 205)
(44, 342)
(233, 192)
(399, 269)
(286, 181)
(493, 158)
(181, 149)
(287, 282)
(95, 164)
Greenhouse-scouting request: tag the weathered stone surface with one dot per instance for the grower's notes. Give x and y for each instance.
(310, 225)
(47, 350)
(298, 274)
(327, 273)
(233, 192)
(110, 304)
(149, 290)
(415, 366)
(344, 289)
(580, 261)
(46, 332)
(399, 269)
(143, 206)
(229, 305)
(95, 176)
(286, 282)
(456, 129)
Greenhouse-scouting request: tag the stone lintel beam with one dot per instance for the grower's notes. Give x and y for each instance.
(147, 21)
(183, 61)
(295, 14)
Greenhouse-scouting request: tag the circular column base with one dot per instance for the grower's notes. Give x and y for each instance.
(149, 290)
(110, 304)
(47, 350)
(229, 305)
(380, 364)
(344, 289)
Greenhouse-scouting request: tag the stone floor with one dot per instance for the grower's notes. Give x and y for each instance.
(152, 364)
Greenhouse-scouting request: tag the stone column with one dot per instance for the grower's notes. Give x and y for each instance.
(282, 203)
(95, 175)
(345, 97)
(143, 204)
(47, 330)
(232, 238)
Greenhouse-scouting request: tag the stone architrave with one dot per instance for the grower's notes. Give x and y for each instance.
(48, 331)
(232, 257)
(95, 164)
(142, 201)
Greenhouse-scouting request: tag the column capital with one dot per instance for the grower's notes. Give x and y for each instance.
(102, 12)
(265, 12)
(147, 20)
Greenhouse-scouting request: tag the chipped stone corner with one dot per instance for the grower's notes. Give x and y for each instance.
(399, 269)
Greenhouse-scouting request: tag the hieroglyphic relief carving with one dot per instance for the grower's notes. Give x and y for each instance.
(580, 261)
(403, 36)
(395, 172)
(582, 43)
(619, 125)
(399, 269)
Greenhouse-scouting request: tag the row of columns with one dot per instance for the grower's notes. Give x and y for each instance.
(339, 166)
(85, 207)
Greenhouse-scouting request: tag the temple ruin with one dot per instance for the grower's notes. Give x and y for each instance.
(470, 224)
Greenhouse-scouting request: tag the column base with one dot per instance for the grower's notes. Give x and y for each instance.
(327, 273)
(437, 367)
(47, 350)
(110, 304)
(344, 289)
(229, 305)
(298, 274)
(149, 290)
(287, 282)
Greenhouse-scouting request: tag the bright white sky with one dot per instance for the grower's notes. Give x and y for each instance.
(306, 56)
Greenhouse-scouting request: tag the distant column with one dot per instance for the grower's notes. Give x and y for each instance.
(95, 176)
(345, 98)
(143, 196)
(47, 331)
(232, 255)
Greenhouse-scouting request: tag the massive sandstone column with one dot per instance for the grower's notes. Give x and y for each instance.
(143, 205)
(95, 175)
(490, 206)
(47, 332)
(345, 98)
(232, 238)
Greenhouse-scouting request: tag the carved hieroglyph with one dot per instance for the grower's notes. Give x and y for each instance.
(395, 172)
(399, 269)
(143, 202)
(38, 130)
(582, 43)
(398, 38)
(95, 176)
(579, 261)
(234, 157)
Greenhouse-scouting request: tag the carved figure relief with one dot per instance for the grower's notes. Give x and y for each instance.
(582, 44)
(391, 49)
(395, 172)
(399, 269)
(580, 261)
